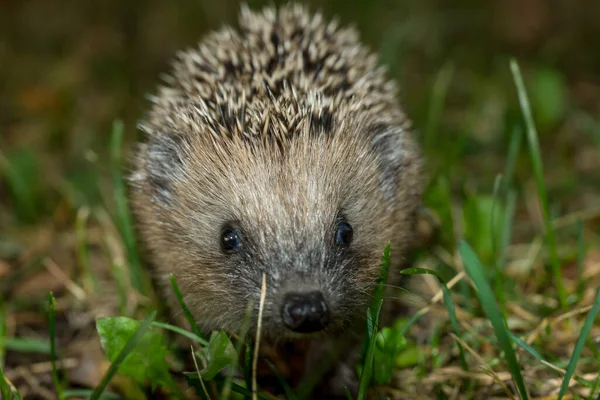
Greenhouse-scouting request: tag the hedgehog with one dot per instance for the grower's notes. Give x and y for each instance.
(277, 151)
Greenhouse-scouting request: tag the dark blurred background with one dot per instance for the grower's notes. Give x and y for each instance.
(70, 68)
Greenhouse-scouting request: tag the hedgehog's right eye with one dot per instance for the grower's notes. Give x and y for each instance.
(344, 234)
(231, 240)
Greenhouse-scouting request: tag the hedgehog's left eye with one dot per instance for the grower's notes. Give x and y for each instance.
(344, 233)
(231, 240)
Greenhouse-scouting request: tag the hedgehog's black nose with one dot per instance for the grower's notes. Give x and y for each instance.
(305, 312)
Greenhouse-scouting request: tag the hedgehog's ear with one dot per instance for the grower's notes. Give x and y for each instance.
(389, 145)
(165, 155)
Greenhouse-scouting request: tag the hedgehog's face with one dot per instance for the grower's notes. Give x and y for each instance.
(313, 219)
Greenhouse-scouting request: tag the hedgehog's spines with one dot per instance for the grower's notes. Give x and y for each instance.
(284, 67)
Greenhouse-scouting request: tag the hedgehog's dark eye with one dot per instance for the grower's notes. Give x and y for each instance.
(231, 240)
(344, 234)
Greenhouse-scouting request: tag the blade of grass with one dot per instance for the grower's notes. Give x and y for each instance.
(373, 311)
(180, 331)
(490, 306)
(348, 394)
(594, 349)
(525, 346)
(4, 389)
(538, 170)
(507, 222)
(520, 342)
(383, 274)
(248, 364)
(580, 258)
(83, 258)
(594, 387)
(185, 308)
(438, 99)
(585, 331)
(423, 311)
(53, 357)
(86, 393)
(204, 390)
(289, 393)
(27, 345)
(367, 371)
(413, 320)
(498, 275)
(485, 367)
(118, 268)
(226, 392)
(434, 340)
(377, 294)
(21, 189)
(124, 219)
(447, 302)
(514, 148)
(3, 330)
(129, 346)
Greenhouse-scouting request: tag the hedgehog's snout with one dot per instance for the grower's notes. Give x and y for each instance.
(305, 312)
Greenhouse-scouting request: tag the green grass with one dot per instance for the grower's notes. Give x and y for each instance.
(488, 302)
(82, 250)
(3, 329)
(538, 172)
(185, 308)
(226, 392)
(448, 302)
(4, 389)
(114, 366)
(27, 345)
(53, 353)
(585, 331)
(124, 219)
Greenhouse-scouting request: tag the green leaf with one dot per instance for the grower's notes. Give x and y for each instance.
(409, 357)
(146, 362)
(389, 342)
(219, 354)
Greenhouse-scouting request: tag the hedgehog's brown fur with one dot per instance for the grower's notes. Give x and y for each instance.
(281, 128)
